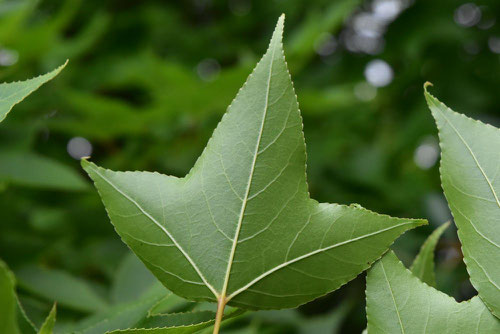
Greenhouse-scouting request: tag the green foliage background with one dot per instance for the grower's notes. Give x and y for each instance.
(133, 89)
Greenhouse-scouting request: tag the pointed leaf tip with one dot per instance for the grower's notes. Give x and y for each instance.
(84, 162)
(278, 30)
(423, 265)
(426, 85)
(14, 92)
(48, 325)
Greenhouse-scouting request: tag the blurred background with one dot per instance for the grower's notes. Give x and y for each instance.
(148, 81)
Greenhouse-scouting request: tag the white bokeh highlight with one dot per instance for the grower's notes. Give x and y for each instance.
(79, 147)
(378, 73)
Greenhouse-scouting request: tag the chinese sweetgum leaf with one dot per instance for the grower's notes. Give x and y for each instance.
(241, 227)
(14, 92)
(48, 325)
(398, 302)
(470, 176)
(423, 265)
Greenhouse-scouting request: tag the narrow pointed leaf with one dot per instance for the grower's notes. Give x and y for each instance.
(48, 325)
(33, 170)
(398, 302)
(241, 225)
(61, 287)
(8, 301)
(470, 176)
(423, 265)
(177, 323)
(118, 317)
(14, 92)
(171, 303)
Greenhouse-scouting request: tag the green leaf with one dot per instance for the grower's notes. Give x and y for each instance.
(132, 280)
(171, 303)
(329, 322)
(423, 265)
(13, 318)
(8, 301)
(32, 170)
(470, 155)
(25, 323)
(241, 227)
(48, 325)
(177, 323)
(118, 317)
(60, 287)
(398, 302)
(14, 92)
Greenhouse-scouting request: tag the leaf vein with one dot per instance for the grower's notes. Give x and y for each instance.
(302, 257)
(195, 267)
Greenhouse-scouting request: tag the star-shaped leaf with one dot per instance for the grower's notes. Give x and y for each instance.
(470, 176)
(240, 228)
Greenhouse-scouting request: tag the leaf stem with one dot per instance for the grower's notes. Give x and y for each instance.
(221, 304)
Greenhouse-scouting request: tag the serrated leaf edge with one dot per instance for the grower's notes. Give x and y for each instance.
(442, 146)
(55, 72)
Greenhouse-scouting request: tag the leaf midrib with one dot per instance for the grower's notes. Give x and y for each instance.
(393, 299)
(249, 182)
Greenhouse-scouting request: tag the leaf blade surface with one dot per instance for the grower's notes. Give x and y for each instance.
(423, 264)
(470, 165)
(398, 302)
(33, 170)
(50, 321)
(14, 92)
(59, 286)
(8, 302)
